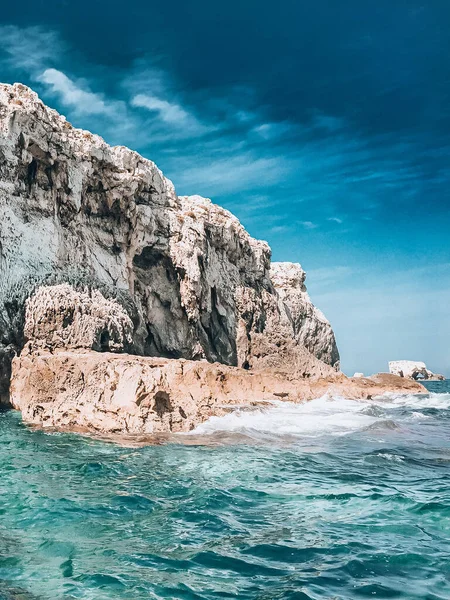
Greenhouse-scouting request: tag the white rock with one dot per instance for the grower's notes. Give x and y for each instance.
(412, 369)
(61, 317)
(311, 328)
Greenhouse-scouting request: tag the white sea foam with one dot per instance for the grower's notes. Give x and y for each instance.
(391, 457)
(325, 416)
(439, 401)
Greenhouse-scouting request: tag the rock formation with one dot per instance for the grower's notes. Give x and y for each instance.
(61, 317)
(412, 369)
(195, 284)
(311, 329)
(65, 378)
(124, 394)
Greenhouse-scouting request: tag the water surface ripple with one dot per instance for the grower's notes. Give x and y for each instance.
(332, 499)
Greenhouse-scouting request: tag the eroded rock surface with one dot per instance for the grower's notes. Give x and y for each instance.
(311, 328)
(123, 394)
(61, 317)
(199, 284)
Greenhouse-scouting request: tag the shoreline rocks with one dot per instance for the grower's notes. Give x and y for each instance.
(74, 373)
(120, 394)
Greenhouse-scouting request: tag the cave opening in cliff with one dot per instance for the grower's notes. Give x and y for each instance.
(104, 341)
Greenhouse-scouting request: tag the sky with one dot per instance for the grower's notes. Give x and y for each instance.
(324, 125)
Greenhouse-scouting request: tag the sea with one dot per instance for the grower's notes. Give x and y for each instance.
(331, 499)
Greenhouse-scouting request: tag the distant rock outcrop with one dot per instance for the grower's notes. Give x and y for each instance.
(195, 284)
(412, 369)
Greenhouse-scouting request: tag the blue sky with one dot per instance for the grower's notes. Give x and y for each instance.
(324, 126)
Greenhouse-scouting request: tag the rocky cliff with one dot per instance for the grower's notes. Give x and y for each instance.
(63, 377)
(194, 283)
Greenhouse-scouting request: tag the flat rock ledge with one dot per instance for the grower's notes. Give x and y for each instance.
(112, 394)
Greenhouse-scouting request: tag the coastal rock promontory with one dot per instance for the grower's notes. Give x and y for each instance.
(120, 394)
(193, 282)
(67, 376)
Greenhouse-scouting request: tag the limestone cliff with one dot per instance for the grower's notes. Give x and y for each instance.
(194, 282)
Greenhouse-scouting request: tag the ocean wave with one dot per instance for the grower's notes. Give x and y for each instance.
(323, 415)
(326, 416)
(431, 400)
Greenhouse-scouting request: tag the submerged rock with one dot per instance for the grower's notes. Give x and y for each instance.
(75, 210)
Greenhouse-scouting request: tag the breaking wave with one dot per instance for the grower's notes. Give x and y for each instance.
(327, 416)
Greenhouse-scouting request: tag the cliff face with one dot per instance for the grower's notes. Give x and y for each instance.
(196, 284)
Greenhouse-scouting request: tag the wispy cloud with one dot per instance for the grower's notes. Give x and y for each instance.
(29, 48)
(171, 113)
(150, 111)
(73, 95)
(222, 145)
(308, 224)
(231, 173)
(271, 131)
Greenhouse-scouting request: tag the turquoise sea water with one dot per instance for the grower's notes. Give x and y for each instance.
(332, 499)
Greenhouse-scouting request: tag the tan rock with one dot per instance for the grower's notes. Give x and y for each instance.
(122, 394)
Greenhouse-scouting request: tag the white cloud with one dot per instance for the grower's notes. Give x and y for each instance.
(230, 174)
(73, 95)
(280, 229)
(170, 113)
(152, 89)
(308, 224)
(270, 131)
(335, 220)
